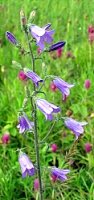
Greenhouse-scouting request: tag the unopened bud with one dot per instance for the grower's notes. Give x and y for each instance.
(32, 15)
(22, 18)
(5, 138)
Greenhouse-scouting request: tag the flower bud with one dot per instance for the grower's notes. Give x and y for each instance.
(87, 84)
(53, 87)
(11, 38)
(22, 76)
(5, 138)
(22, 18)
(54, 147)
(91, 29)
(36, 184)
(32, 15)
(88, 147)
(56, 46)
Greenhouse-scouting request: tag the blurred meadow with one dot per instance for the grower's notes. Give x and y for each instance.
(71, 20)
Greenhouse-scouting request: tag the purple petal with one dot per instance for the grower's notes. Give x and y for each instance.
(48, 117)
(60, 174)
(43, 106)
(37, 30)
(47, 108)
(31, 172)
(24, 174)
(41, 44)
(24, 124)
(61, 82)
(47, 26)
(55, 108)
(48, 38)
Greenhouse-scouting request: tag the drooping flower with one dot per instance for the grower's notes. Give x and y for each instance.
(11, 38)
(33, 76)
(63, 86)
(26, 165)
(36, 184)
(42, 35)
(47, 108)
(60, 173)
(54, 147)
(5, 138)
(87, 84)
(88, 147)
(25, 124)
(56, 46)
(75, 126)
(22, 76)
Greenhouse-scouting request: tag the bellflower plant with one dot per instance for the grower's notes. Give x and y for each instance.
(43, 35)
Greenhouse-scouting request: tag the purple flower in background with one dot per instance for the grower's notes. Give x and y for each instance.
(63, 86)
(33, 76)
(60, 173)
(54, 147)
(47, 108)
(27, 167)
(25, 124)
(5, 138)
(22, 76)
(36, 184)
(87, 84)
(42, 35)
(76, 127)
(11, 38)
(88, 147)
(53, 87)
(56, 46)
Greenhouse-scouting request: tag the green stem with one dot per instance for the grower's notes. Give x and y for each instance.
(35, 120)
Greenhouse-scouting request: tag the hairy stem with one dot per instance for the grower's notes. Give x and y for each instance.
(35, 120)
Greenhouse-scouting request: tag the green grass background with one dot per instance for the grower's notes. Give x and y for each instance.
(70, 19)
